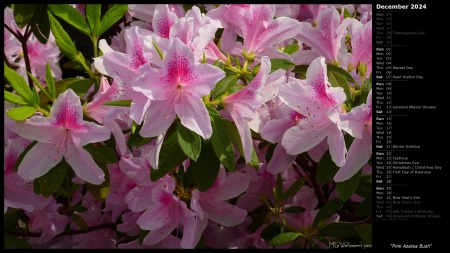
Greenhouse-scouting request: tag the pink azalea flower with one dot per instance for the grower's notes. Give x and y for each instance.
(242, 106)
(163, 216)
(361, 45)
(320, 104)
(17, 192)
(307, 199)
(211, 204)
(177, 89)
(48, 221)
(260, 31)
(325, 39)
(358, 123)
(64, 133)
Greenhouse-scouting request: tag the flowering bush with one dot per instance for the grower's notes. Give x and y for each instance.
(187, 126)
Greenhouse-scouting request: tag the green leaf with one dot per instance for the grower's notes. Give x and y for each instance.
(18, 83)
(278, 194)
(103, 154)
(126, 103)
(62, 39)
(336, 69)
(136, 140)
(36, 186)
(170, 156)
(346, 188)
(23, 14)
(234, 134)
(278, 63)
(364, 209)
(301, 69)
(226, 83)
(365, 91)
(284, 238)
(73, 65)
(111, 17)
(79, 85)
(205, 169)
(212, 111)
(347, 14)
(294, 209)
(13, 98)
(221, 143)
(338, 230)
(39, 23)
(254, 162)
(190, 142)
(15, 242)
(36, 99)
(22, 155)
(78, 208)
(327, 210)
(100, 192)
(80, 221)
(365, 186)
(21, 113)
(71, 16)
(41, 87)
(290, 49)
(365, 232)
(52, 180)
(256, 223)
(269, 152)
(50, 82)
(93, 13)
(340, 81)
(326, 169)
(294, 188)
(270, 231)
(142, 235)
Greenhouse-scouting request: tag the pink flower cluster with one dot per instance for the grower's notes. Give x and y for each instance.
(168, 62)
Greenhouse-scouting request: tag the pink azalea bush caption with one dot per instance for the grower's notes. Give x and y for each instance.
(187, 126)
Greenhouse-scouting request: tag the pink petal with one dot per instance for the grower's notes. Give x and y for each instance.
(273, 83)
(83, 165)
(163, 20)
(158, 119)
(159, 234)
(193, 115)
(119, 65)
(297, 140)
(358, 155)
(245, 134)
(274, 130)
(90, 133)
(155, 217)
(138, 107)
(276, 31)
(281, 160)
(232, 186)
(207, 78)
(223, 213)
(192, 231)
(137, 49)
(337, 147)
(322, 92)
(38, 161)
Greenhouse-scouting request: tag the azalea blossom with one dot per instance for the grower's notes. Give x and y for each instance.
(358, 123)
(325, 39)
(177, 89)
(242, 105)
(211, 204)
(63, 134)
(321, 105)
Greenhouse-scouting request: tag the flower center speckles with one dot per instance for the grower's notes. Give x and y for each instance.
(296, 117)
